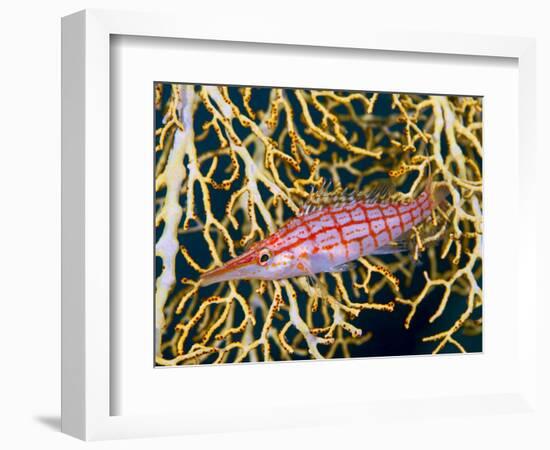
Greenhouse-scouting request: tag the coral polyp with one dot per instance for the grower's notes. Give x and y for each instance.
(235, 164)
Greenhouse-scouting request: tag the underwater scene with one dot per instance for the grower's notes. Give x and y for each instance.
(302, 223)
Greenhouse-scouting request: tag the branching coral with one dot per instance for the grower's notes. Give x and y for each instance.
(233, 164)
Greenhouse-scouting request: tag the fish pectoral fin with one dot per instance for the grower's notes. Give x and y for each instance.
(315, 284)
(402, 244)
(392, 248)
(312, 280)
(343, 267)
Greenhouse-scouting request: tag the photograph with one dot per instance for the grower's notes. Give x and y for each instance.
(312, 223)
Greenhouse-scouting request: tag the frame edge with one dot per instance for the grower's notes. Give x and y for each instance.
(73, 82)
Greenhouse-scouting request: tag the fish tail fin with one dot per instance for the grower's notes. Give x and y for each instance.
(440, 194)
(429, 183)
(437, 191)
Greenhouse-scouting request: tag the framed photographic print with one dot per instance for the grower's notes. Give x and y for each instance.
(291, 247)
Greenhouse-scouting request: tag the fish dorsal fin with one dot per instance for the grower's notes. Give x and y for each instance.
(378, 191)
(319, 198)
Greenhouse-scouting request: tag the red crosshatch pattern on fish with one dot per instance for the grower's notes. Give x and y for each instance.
(352, 225)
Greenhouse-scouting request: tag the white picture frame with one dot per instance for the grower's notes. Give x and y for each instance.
(87, 386)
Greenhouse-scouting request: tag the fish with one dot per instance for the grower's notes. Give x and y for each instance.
(330, 232)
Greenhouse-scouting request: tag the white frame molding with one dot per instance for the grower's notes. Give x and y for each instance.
(85, 189)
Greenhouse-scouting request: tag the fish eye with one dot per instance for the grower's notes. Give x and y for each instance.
(265, 254)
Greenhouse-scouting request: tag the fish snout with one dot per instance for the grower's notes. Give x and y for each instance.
(211, 277)
(238, 268)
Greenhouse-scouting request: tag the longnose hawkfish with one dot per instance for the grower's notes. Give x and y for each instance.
(331, 231)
